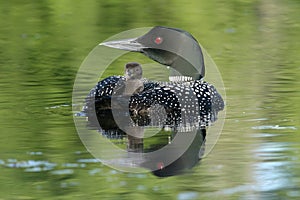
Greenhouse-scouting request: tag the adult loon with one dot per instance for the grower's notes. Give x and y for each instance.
(187, 99)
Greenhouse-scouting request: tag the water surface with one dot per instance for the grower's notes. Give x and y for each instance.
(255, 45)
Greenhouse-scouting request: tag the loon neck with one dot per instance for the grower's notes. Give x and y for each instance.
(180, 78)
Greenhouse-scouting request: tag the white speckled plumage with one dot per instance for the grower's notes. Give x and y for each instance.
(194, 102)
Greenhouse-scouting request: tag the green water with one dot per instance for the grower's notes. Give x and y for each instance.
(255, 45)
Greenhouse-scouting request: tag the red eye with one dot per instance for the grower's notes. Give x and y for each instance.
(158, 40)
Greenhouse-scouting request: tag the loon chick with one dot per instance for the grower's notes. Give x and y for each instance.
(133, 71)
(99, 101)
(133, 76)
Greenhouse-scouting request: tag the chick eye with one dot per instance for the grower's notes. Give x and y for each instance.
(158, 40)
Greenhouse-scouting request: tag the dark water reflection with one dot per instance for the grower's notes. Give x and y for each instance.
(254, 43)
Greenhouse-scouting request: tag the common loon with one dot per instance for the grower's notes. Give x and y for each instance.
(185, 100)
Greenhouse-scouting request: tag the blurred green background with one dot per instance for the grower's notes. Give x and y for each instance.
(255, 44)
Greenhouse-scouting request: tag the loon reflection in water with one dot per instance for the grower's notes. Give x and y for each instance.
(186, 101)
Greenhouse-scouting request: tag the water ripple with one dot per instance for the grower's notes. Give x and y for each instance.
(63, 172)
(33, 164)
(275, 127)
(187, 195)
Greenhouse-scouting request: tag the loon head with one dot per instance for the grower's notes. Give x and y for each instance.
(133, 71)
(168, 46)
